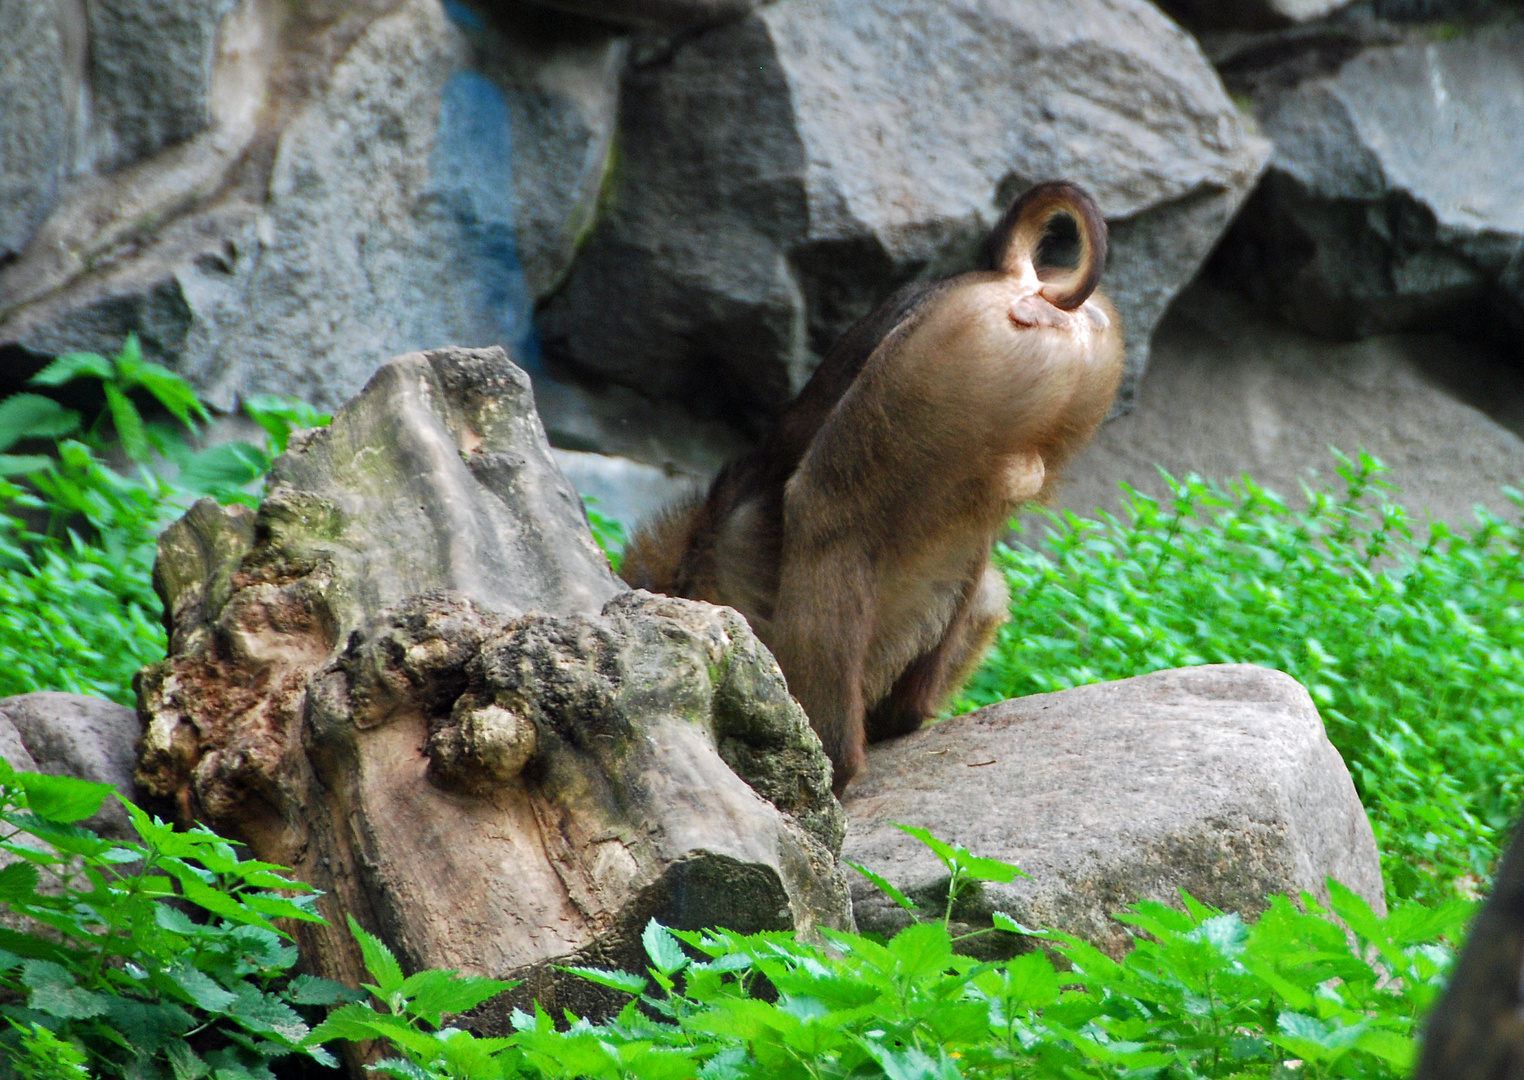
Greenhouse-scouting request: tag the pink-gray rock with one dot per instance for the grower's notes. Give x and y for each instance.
(75, 735)
(1218, 780)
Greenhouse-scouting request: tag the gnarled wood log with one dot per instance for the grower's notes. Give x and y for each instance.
(412, 678)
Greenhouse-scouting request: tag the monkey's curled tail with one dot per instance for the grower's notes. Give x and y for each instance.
(1013, 246)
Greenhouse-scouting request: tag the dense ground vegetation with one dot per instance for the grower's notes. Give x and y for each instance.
(1410, 639)
(159, 959)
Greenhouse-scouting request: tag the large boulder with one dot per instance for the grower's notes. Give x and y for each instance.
(1216, 780)
(34, 130)
(413, 678)
(1395, 199)
(778, 176)
(75, 735)
(286, 192)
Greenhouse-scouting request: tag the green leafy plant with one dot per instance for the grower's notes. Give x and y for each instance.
(1316, 992)
(410, 1020)
(147, 959)
(1413, 649)
(80, 511)
(607, 532)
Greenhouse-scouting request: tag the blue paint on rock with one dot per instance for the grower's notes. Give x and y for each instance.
(471, 172)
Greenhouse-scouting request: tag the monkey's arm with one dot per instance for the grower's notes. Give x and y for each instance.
(820, 629)
(939, 672)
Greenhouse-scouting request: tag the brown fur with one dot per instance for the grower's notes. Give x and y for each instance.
(856, 538)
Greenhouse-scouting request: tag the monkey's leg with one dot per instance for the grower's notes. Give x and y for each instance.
(937, 673)
(820, 630)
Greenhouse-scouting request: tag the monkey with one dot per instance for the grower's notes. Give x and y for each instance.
(856, 538)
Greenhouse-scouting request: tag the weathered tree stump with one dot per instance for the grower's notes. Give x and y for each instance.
(412, 678)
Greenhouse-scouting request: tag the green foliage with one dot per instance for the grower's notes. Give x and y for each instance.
(609, 533)
(77, 610)
(1202, 995)
(150, 959)
(1413, 651)
(410, 1018)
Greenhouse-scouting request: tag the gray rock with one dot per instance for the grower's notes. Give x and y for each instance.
(151, 72)
(558, 80)
(660, 14)
(1395, 199)
(627, 491)
(414, 680)
(1233, 391)
(1218, 780)
(75, 735)
(34, 125)
(437, 476)
(406, 182)
(779, 175)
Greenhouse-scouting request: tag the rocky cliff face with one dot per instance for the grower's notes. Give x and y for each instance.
(668, 210)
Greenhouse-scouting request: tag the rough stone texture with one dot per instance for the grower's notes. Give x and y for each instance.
(1217, 780)
(413, 679)
(34, 129)
(151, 72)
(371, 179)
(1231, 391)
(1473, 1032)
(661, 14)
(558, 78)
(779, 175)
(1395, 199)
(627, 491)
(75, 735)
(437, 476)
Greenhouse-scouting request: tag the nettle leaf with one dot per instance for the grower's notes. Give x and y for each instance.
(128, 422)
(169, 389)
(54, 991)
(64, 799)
(922, 949)
(32, 416)
(939, 848)
(355, 1023)
(200, 989)
(400, 1069)
(614, 980)
(379, 961)
(982, 869)
(666, 954)
(71, 366)
(1002, 921)
(185, 1062)
(283, 907)
(312, 990)
(883, 886)
(18, 883)
(226, 465)
(23, 464)
(266, 1014)
(433, 994)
